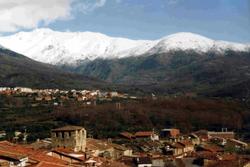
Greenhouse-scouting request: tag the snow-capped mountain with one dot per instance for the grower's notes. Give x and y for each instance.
(190, 41)
(53, 47)
(1, 47)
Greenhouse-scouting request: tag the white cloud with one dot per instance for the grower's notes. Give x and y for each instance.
(16, 14)
(86, 6)
(28, 14)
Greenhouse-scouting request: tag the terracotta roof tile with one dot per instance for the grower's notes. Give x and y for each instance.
(12, 155)
(93, 144)
(49, 164)
(143, 134)
(37, 155)
(206, 155)
(228, 157)
(127, 135)
(212, 148)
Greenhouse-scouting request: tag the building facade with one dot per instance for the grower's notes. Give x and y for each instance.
(73, 137)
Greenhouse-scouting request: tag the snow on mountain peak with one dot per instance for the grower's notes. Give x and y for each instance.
(184, 41)
(185, 36)
(190, 41)
(55, 47)
(43, 30)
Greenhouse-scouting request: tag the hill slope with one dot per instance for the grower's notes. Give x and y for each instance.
(178, 72)
(18, 70)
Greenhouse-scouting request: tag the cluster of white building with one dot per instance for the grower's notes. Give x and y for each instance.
(79, 95)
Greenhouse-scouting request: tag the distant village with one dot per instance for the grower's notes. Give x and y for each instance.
(58, 97)
(73, 146)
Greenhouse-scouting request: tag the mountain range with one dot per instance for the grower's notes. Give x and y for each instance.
(176, 64)
(72, 48)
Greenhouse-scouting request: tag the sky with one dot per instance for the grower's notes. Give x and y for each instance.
(135, 19)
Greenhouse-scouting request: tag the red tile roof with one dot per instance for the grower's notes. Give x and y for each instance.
(144, 134)
(37, 155)
(228, 157)
(94, 144)
(65, 150)
(206, 155)
(49, 164)
(212, 148)
(127, 135)
(12, 155)
(67, 153)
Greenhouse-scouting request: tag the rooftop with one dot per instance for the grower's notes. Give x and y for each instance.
(94, 144)
(127, 135)
(144, 134)
(68, 128)
(36, 155)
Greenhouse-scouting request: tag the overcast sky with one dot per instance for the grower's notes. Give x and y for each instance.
(136, 19)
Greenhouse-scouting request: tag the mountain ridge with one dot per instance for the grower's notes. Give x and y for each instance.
(69, 48)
